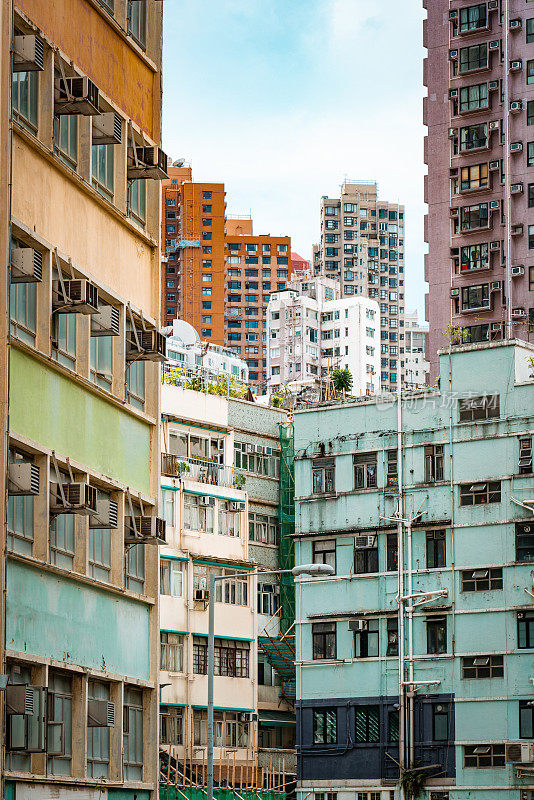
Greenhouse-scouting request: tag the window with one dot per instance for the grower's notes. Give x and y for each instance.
(200, 656)
(531, 235)
(392, 552)
(262, 528)
(324, 640)
(434, 463)
(364, 470)
(482, 756)
(525, 629)
(526, 720)
(481, 580)
(135, 568)
(135, 384)
(471, 409)
(475, 297)
(474, 256)
(474, 217)
(473, 57)
(247, 457)
(325, 726)
(102, 169)
(101, 359)
(22, 306)
(365, 554)
(366, 644)
(392, 629)
(530, 71)
(324, 552)
(473, 97)
(480, 493)
(24, 98)
(231, 657)
(99, 555)
(171, 723)
(133, 735)
(392, 475)
(367, 724)
(530, 154)
(137, 201)
(473, 137)
(436, 635)
(59, 730)
(172, 651)
(268, 598)
(435, 549)
(198, 514)
(137, 20)
(440, 722)
(20, 510)
(66, 138)
(62, 534)
(474, 177)
(171, 577)
(482, 667)
(206, 195)
(473, 18)
(323, 476)
(524, 541)
(228, 519)
(98, 737)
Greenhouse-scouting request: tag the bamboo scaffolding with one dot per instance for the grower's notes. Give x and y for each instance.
(186, 734)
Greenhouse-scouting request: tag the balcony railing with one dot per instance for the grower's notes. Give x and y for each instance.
(201, 470)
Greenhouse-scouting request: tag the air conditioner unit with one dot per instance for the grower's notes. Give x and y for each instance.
(81, 296)
(201, 595)
(23, 479)
(28, 54)
(76, 95)
(455, 292)
(495, 286)
(494, 125)
(519, 752)
(453, 14)
(493, 166)
(80, 498)
(250, 448)
(517, 230)
(453, 55)
(206, 500)
(495, 205)
(20, 700)
(515, 24)
(26, 265)
(493, 5)
(236, 505)
(453, 172)
(358, 625)
(107, 129)
(452, 133)
(106, 515)
(493, 86)
(152, 343)
(363, 541)
(247, 716)
(517, 271)
(151, 162)
(100, 714)
(106, 322)
(515, 106)
(494, 45)
(516, 188)
(268, 451)
(259, 448)
(147, 530)
(453, 94)
(518, 313)
(454, 212)
(455, 252)
(516, 147)
(516, 65)
(495, 245)
(496, 326)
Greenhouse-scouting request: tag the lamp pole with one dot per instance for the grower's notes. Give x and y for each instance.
(313, 570)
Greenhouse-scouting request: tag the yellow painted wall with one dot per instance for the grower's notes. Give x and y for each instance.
(81, 32)
(69, 219)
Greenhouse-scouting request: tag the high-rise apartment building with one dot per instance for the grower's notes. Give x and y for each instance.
(414, 661)
(362, 246)
(82, 228)
(193, 272)
(216, 274)
(416, 366)
(256, 267)
(311, 331)
(479, 73)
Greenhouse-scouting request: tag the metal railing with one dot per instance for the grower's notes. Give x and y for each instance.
(201, 470)
(201, 379)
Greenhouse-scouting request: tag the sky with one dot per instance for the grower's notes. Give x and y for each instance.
(283, 99)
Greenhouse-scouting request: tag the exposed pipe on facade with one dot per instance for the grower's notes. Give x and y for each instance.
(400, 571)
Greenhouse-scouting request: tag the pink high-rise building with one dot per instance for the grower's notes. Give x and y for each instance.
(479, 73)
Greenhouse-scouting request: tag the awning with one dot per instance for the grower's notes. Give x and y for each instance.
(276, 718)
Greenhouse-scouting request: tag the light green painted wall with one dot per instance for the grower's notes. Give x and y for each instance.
(58, 413)
(59, 618)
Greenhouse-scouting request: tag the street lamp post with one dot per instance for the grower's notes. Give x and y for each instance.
(313, 570)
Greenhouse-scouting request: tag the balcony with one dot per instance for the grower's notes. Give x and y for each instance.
(201, 471)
